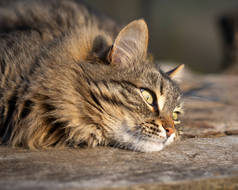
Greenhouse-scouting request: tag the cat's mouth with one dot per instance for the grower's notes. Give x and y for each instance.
(152, 145)
(167, 140)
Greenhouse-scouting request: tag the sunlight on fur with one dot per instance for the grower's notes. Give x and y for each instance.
(74, 78)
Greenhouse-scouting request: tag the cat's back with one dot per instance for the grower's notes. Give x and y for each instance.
(31, 30)
(51, 18)
(40, 42)
(28, 28)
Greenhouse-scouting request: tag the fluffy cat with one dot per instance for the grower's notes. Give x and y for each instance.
(72, 77)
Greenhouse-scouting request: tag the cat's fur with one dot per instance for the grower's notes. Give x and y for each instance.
(67, 78)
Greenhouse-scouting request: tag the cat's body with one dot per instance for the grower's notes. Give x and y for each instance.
(62, 83)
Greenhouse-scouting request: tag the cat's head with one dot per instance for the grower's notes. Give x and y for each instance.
(136, 105)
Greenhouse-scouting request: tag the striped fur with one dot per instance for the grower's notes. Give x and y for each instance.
(68, 78)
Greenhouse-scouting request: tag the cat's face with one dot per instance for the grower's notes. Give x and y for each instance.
(139, 104)
(149, 125)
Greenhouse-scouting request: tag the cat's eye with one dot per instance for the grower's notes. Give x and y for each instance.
(176, 114)
(176, 117)
(147, 96)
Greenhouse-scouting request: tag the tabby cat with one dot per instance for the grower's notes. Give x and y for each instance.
(71, 77)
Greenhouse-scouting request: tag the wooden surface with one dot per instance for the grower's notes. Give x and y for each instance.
(211, 106)
(184, 163)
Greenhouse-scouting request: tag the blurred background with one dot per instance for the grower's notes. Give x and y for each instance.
(201, 34)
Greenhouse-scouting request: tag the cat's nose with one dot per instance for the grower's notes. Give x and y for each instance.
(169, 131)
(168, 124)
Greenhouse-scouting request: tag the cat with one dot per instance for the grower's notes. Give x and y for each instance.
(72, 77)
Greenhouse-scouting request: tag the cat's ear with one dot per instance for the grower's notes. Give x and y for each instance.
(130, 44)
(174, 72)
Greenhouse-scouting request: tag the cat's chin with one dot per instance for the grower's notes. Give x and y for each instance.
(154, 146)
(136, 143)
